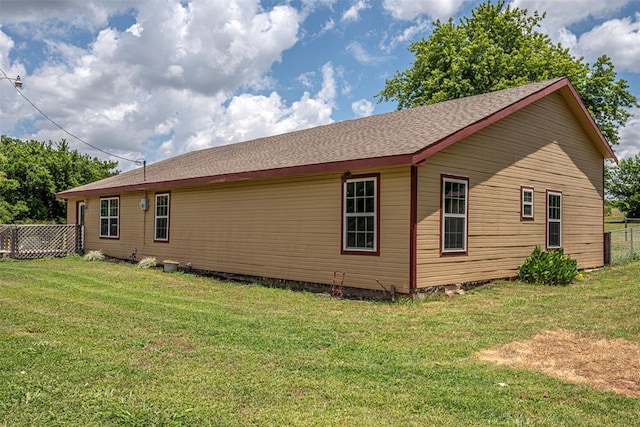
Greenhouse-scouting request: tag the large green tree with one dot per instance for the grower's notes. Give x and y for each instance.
(499, 47)
(623, 185)
(32, 172)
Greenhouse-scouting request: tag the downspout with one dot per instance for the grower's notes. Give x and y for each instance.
(605, 248)
(413, 232)
(144, 225)
(144, 213)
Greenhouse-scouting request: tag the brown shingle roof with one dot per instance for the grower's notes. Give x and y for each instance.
(401, 137)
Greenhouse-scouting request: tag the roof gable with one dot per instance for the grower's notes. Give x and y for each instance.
(396, 138)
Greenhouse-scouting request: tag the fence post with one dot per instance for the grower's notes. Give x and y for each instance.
(632, 250)
(607, 248)
(79, 238)
(14, 237)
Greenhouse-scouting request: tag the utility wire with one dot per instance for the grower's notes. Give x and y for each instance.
(138, 162)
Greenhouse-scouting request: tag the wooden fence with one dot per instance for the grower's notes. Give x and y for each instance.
(38, 241)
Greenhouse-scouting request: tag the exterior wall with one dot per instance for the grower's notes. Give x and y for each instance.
(284, 228)
(541, 146)
(72, 211)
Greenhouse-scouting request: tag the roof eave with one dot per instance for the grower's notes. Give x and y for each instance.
(341, 166)
(592, 128)
(572, 97)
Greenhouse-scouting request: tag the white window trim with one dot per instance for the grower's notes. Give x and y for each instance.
(109, 217)
(445, 215)
(156, 217)
(523, 203)
(346, 215)
(549, 220)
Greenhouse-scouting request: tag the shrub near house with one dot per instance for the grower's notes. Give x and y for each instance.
(548, 268)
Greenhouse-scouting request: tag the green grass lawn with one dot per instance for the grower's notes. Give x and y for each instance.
(111, 344)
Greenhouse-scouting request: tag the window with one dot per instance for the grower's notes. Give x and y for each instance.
(162, 217)
(454, 214)
(554, 219)
(360, 219)
(526, 205)
(109, 214)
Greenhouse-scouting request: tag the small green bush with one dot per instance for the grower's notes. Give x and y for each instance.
(148, 262)
(94, 256)
(548, 268)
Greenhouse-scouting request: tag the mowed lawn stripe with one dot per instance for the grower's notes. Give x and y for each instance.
(111, 344)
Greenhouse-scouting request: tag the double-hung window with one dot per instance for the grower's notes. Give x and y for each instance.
(360, 214)
(526, 203)
(554, 219)
(162, 217)
(455, 192)
(109, 215)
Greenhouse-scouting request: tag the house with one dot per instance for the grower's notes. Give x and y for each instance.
(456, 192)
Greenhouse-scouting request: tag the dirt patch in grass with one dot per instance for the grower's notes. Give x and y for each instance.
(602, 363)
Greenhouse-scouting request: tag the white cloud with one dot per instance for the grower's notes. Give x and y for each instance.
(362, 108)
(629, 144)
(617, 38)
(328, 26)
(261, 83)
(567, 39)
(361, 55)
(306, 79)
(311, 5)
(562, 13)
(171, 73)
(136, 29)
(408, 10)
(78, 13)
(11, 104)
(353, 13)
(328, 92)
(407, 35)
(252, 116)
(13, 69)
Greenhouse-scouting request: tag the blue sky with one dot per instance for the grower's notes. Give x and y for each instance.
(153, 79)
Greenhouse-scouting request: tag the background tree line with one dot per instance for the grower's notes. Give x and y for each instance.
(32, 172)
(623, 186)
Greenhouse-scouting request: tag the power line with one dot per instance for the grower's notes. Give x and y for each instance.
(138, 162)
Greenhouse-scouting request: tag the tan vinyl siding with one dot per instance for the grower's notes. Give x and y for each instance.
(284, 228)
(541, 146)
(72, 210)
(130, 220)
